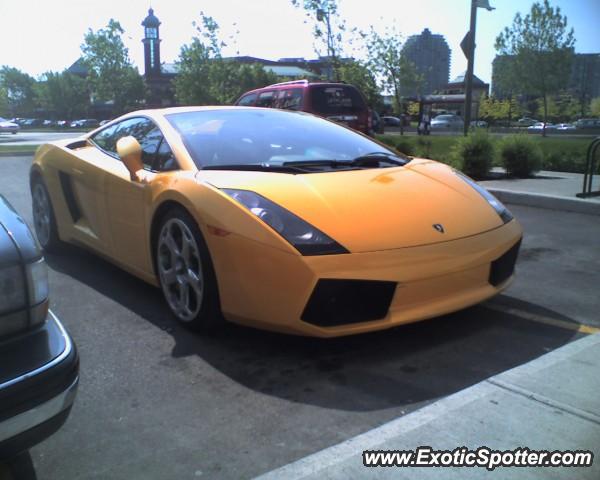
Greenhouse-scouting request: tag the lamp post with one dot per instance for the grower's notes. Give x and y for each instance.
(470, 52)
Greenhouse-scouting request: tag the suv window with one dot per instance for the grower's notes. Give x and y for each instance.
(266, 99)
(290, 99)
(247, 100)
(332, 100)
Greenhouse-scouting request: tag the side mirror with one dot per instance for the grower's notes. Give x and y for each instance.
(130, 151)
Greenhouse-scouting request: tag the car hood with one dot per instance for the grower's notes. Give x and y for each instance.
(374, 209)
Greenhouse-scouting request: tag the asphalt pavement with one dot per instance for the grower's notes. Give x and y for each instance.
(156, 401)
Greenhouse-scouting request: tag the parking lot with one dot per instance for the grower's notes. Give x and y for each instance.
(156, 401)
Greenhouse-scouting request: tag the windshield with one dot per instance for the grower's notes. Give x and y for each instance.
(267, 137)
(335, 100)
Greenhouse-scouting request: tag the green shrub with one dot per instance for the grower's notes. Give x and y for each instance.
(520, 156)
(405, 146)
(474, 154)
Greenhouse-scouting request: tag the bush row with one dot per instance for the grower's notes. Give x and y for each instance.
(521, 155)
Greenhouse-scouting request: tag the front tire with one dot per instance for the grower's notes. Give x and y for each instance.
(44, 220)
(186, 273)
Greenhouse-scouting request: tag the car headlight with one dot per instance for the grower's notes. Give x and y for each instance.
(23, 296)
(496, 204)
(307, 239)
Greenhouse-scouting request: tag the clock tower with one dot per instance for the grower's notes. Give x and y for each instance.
(151, 43)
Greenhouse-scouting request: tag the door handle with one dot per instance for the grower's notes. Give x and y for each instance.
(77, 172)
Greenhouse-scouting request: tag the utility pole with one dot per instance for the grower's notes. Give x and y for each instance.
(470, 62)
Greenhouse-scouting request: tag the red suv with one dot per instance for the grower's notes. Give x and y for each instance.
(339, 102)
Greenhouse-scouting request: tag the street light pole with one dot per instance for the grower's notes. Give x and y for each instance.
(470, 62)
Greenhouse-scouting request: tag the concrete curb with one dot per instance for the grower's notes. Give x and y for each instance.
(550, 202)
(312, 466)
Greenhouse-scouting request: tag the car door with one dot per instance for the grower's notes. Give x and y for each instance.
(83, 185)
(128, 202)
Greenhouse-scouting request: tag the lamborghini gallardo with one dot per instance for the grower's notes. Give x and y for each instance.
(274, 219)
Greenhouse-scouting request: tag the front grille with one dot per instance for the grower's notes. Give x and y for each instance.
(502, 268)
(340, 302)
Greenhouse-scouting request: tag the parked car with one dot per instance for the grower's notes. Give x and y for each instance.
(6, 126)
(390, 121)
(103, 122)
(479, 124)
(85, 123)
(526, 122)
(62, 123)
(447, 122)
(340, 102)
(278, 195)
(39, 365)
(586, 123)
(566, 127)
(539, 127)
(33, 122)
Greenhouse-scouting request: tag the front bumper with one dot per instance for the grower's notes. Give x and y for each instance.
(38, 384)
(268, 288)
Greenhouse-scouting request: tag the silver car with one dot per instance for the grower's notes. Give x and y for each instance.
(447, 122)
(8, 126)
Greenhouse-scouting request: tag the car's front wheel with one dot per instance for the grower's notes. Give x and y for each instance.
(185, 272)
(44, 221)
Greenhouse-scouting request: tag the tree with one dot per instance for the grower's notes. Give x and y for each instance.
(328, 30)
(595, 107)
(111, 75)
(206, 78)
(394, 70)
(358, 74)
(542, 49)
(19, 91)
(64, 95)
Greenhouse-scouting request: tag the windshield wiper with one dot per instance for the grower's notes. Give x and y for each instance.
(377, 157)
(368, 160)
(256, 167)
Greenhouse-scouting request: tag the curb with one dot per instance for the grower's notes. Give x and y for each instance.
(550, 202)
(316, 465)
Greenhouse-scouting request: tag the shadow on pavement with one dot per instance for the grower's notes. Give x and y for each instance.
(18, 468)
(403, 366)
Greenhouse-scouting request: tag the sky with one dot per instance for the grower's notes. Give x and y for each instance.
(43, 35)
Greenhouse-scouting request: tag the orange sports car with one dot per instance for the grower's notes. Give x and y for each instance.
(274, 219)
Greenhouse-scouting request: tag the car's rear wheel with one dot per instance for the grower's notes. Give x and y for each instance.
(186, 273)
(44, 221)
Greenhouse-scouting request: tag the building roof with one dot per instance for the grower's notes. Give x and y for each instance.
(289, 71)
(78, 68)
(460, 80)
(151, 20)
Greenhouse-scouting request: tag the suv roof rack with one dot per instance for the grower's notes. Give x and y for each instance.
(291, 82)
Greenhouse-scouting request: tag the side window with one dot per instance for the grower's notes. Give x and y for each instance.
(146, 133)
(290, 99)
(247, 100)
(266, 99)
(107, 139)
(165, 160)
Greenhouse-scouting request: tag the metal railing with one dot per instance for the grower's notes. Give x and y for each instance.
(590, 169)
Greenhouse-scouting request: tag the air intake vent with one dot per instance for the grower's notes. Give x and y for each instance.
(340, 302)
(503, 267)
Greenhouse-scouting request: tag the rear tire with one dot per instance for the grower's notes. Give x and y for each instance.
(185, 272)
(44, 220)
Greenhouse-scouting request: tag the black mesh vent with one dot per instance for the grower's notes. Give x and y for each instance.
(340, 302)
(503, 267)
